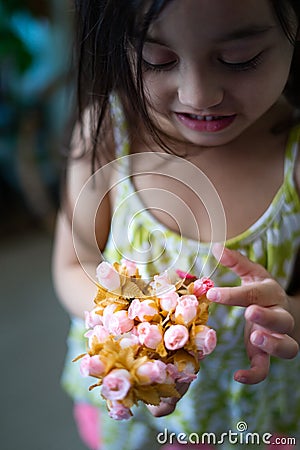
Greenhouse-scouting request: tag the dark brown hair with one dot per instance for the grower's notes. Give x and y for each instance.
(106, 29)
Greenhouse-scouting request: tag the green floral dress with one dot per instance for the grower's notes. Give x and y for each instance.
(215, 403)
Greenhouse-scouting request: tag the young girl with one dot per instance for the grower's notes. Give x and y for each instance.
(214, 85)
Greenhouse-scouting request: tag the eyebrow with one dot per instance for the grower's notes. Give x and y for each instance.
(245, 33)
(151, 40)
(239, 34)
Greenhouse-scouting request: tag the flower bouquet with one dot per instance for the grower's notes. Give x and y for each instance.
(143, 338)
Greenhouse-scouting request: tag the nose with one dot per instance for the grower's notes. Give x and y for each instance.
(199, 89)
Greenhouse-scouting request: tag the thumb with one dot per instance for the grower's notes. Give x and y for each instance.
(240, 264)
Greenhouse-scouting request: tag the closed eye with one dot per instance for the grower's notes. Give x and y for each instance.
(252, 63)
(159, 67)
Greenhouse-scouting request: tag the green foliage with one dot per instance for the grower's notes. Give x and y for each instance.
(13, 50)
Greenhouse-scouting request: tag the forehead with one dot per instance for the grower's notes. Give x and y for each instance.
(213, 19)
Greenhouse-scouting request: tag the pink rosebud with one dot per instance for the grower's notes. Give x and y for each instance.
(186, 374)
(107, 276)
(129, 340)
(134, 309)
(186, 377)
(186, 310)
(130, 266)
(116, 384)
(119, 323)
(169, 301)
(181, 376)
(108, 314)
(172, 371)
(149, 335)
(143, 310)
(185, 275)
(205, 340)
(92, 319)
(202, 286)
(98, 333)
(162, 284)
(118, 411)
(152, 372)
(176, 337)
(92, 366)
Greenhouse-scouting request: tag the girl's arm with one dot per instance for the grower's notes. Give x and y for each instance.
(76, 253)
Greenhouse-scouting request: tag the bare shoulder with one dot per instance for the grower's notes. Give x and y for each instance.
(87, 198)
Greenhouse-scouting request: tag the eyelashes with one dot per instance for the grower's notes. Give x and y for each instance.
(158, 67)
(250, 64)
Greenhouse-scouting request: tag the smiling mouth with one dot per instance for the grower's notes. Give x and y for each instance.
(206, 118)
(205, 123)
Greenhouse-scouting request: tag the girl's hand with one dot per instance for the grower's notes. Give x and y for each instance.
(269, 324)
(167, 405)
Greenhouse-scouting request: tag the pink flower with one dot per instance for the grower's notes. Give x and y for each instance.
(91, 366)
(152, 372)
(119, 323)
(172, 371)
(205, 340)
(99, 333)
(92, 319)
(149, 335)
(169, 301)
(186, 310)
(202, 286)
(185, 275)
(143, 310)
(116, 384)
(162, 284)
(107, 315)
(107, 276)
(118, 411)
(130, 266)
(176, 337)
(129, 340)
(186, 376)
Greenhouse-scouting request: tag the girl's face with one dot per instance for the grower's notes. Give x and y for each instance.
(213, 68)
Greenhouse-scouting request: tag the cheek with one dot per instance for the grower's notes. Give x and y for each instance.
(159, 90)
(273, 80)
(257, 92)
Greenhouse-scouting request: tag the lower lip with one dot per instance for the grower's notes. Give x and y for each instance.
(212, 126)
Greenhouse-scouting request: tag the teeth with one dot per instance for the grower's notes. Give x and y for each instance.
(193, 116)
(205, 118)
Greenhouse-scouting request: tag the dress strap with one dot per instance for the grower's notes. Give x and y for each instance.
(291, 154)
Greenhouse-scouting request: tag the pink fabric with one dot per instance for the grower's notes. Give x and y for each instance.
(87, 421)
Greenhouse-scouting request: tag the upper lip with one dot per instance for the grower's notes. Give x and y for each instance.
(205, 114)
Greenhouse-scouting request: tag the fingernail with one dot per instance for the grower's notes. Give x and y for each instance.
(214, 295)
(258, 339)
(241, 379)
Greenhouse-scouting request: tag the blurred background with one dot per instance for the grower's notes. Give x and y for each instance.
(36, 88)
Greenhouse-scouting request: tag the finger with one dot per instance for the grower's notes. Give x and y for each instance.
(260, 364)
(163, 409)
(182, 389)
(280, 345)
(275, 318)
(168, 404)
(265, 293)
(240, 264)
